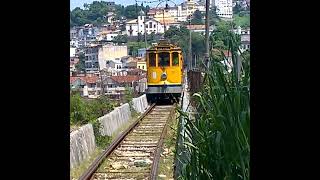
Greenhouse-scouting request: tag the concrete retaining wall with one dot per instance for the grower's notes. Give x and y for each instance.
(82, 141)
(140, 104)
(82, 144)
(113, 120)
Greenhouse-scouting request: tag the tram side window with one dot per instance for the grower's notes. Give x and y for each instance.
(164, 59)
(152, 59)
(175, 59)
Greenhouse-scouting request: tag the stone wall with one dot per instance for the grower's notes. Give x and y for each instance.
(113, 120)
(82, 144)
(140, 104)
(82, 141)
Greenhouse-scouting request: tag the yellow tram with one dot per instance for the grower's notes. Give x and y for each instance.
(164, 70)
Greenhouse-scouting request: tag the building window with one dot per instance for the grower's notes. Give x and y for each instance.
(140, 17)
(142, 67)
(154, 26)
(139, 67)
(150, 24)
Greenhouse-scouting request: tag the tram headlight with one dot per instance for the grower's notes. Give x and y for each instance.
(164, 76)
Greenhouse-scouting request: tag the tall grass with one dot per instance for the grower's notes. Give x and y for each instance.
(218, 138)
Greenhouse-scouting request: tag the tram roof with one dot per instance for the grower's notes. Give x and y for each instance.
(164, 45)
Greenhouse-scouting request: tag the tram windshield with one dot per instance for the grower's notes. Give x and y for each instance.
(164, 59)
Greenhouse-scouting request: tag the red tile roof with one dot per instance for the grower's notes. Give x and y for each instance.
(126, 79)
(136, 70)
(87, 79)
(195, 27)
(227, 53)
(92, 79)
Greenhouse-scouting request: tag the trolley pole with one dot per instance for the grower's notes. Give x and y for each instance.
(206, 55)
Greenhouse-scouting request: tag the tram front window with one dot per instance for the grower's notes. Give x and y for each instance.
(152, 59)
(175, 59)
(164, 59)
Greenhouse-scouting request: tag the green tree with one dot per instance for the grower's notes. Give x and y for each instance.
(103, 105)
(197, 43)
(120, 11)
(147, 8)
(213, 17)
(180, 36)
(80, 66)
(93, 13)
(151, 37)
(222, 33)
(237, 8)
(173, 30)
(79, 17)
(77, 110)
(121, 39)
(197, 18)
(132, 11)
(134, 46)
(128, 95)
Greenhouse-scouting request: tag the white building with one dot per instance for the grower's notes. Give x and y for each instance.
(177, 13)
(74, 43)
(72, 52)
(200, 5)
(111, 52)
(245, 38)
(110, 17)
(96, 57)
(155, 26)
(111, 36)
(140, 24)
(114, 64)
(224, 8)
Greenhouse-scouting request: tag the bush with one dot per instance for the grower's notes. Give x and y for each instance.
(218, 140)
(78, 113)
(101, 141)
(88, 111)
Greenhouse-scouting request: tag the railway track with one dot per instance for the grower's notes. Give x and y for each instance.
(136, 152)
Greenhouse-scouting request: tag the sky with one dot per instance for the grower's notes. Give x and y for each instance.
(79, 3)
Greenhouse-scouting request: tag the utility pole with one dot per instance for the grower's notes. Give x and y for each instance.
(102, 84)
(195, 61)
(164, 23)
(145, 30)
(190, 44)
(137, 19)
(206, 55)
